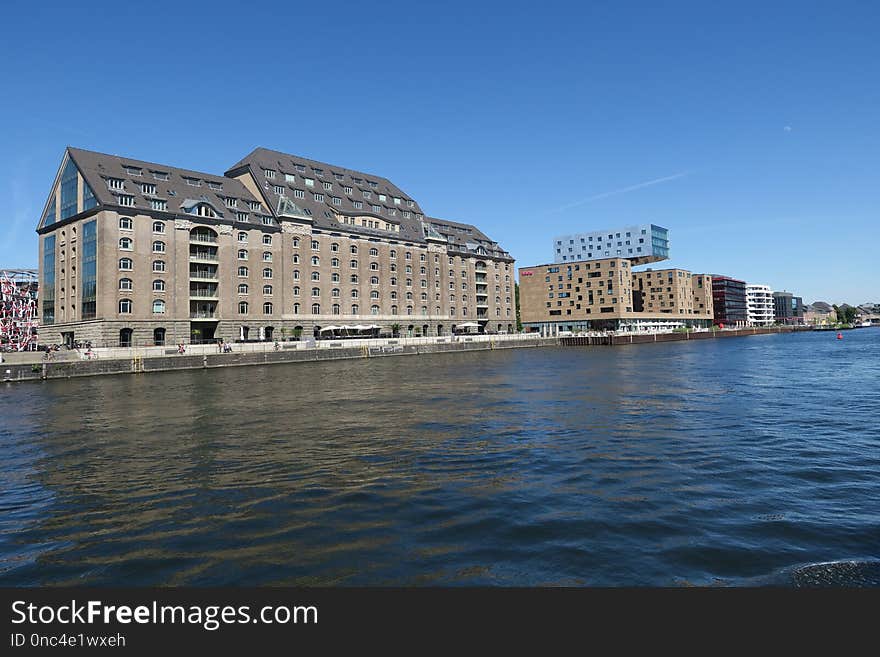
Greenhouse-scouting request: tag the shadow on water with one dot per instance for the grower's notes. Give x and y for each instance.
(731, 462)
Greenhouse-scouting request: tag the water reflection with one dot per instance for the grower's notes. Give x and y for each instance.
(649, 464)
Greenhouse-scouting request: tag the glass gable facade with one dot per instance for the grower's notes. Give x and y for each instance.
(47, 291)
(89, 270)
(68, 190)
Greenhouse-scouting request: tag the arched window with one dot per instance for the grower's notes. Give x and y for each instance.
(267, 240)
(316, 291)
(393, 310)
(393, 254)
(355, 309)
(408, 255)
(267, 273)
(374, 252)
(393, 280)
(374, 280)
(267, 289)
(242, 254)
(424, 283)
(422, 257)
(424, 297)
(296, 274)
(296, 290)
(158, 226)
(296, 309)
(335, 309)
(316, 308)
(374, 266)
(316, 260)
(354, 278)
(354, 248)
(243, 288)
(158, 285)
(354, 294)
(296, 258)
(409, 296)
(158, 306)
(316, 276)
(425, 311)
(126, 264)
(334, 292)
(423, 271)
(242, 236)
(267, 308)
(393, 267)
(267, 256)
(125, 306)
(409, 282)
(374, 310)
(295, 242)
(334, 262)
(374, 294)
(125, 223)
(125, 284)
(393, 294)
(158, 247)
(125, 243)
(334, 247)
(409, 310)
(353, 264)
(242, 307)
(315, 245)
(334, 277)
(158, 266)
(243, 271)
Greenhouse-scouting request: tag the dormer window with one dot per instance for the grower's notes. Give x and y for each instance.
(215, 186)
(193, 182)
(231, 202)
(205, 210)
(115, 183)
(270, 173)
(159, 175)
(148, 188)
(133, 171)
(310, 182)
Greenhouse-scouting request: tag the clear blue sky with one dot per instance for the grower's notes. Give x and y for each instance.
(760, 121)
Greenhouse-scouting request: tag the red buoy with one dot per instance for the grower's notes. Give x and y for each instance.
(840, 336)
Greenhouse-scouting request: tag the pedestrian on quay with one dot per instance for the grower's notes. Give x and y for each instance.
(181, 349)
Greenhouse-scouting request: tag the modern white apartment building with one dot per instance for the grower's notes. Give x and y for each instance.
(759, 305)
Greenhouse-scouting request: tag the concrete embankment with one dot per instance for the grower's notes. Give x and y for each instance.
(36, 371)
(635, 338)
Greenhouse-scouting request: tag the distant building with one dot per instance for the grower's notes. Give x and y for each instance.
(639, 244)
(787, 308)
(19, 309)
(729, 300)
(607, 295)
(759, 305)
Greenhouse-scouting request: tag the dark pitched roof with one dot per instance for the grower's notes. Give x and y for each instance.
(171, 184)
(466, 237)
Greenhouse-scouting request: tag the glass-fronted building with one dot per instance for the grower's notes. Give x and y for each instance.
(640, 244)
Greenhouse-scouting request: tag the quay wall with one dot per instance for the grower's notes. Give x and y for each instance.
(35, 371)
(636, 338)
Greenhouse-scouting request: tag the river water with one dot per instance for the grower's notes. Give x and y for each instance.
(742, 461)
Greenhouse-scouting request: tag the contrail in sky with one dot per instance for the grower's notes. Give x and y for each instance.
(631, 188)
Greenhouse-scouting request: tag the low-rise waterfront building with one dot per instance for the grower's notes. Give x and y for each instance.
(759, 305)
(640, 244)
(729, 301)
(134, 252)
(787, 308)
(607, 295)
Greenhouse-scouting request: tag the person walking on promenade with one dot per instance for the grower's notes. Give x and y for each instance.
(181, 349)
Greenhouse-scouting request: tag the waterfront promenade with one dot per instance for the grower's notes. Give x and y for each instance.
(34, 366)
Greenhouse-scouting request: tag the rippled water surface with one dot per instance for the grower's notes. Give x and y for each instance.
(738, 461)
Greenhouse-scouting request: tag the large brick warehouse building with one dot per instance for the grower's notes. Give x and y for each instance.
(136, 253)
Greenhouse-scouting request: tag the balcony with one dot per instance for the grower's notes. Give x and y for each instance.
(204, 239)
(203, 256)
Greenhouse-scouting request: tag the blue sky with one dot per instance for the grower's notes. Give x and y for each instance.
(749, 130)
